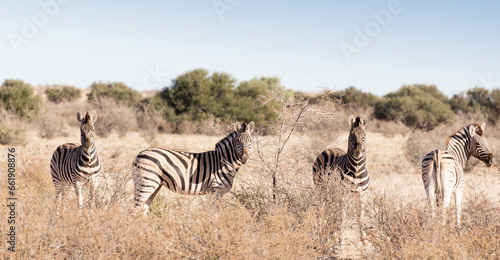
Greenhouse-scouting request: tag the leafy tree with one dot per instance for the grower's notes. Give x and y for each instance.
(116, 91)
(65, 93)
(250, 92)
(195, 95)
(220, 101)
(417, 106)
(161, 105)
(19, 96)
(460, 102)
(187, 92)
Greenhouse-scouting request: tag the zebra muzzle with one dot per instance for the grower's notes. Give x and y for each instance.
(244, 158)
(490, 161)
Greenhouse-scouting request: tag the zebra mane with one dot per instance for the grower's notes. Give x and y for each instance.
(465, 131)
(229, 138)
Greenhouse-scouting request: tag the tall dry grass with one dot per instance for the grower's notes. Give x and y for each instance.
(404, 228)
(13, 129)
(301, 223)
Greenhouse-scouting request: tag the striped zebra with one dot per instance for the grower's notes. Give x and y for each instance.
(191, 173)
(443, 170)
(350, 167)
(76, 164)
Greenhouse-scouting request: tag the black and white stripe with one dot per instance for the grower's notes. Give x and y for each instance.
(191, 173)
(77, 164)
(443, 171)
(350, 166)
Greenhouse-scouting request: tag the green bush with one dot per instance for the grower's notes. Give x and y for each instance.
(65, 93)
(249, 95)
(196, 95)
(478, 100)
(117, 91)
(160, 105)
(355, 97)
(417, 106)
(19, 97)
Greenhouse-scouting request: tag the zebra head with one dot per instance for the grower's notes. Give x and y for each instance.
(244, 139)
(357, 136)
(87, 129)
(479, 144)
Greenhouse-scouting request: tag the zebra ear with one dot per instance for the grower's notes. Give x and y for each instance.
(79, 117)
(472, 130)
(236, 127)
(93, 117)
(352, 120)
(364, 120)
(483, 126)
(250, 127)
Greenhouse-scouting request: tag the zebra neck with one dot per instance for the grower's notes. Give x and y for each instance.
(356, 165)
(229, 162)
(458, 147)
(87, 156)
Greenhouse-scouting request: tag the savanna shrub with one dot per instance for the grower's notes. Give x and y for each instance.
(117, 91)
(19, 97)
(114, 117)
(355, 97)
(420, 143)
(196, 95)
(65, 93)
(48, 125)
(248, 97)
(151, 122)
(12, 129)
(417, 106)
(478, 100)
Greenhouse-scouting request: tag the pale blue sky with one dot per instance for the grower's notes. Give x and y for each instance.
(452, 44)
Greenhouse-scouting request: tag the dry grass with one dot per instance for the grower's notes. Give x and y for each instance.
(12, 128)
(247, 223)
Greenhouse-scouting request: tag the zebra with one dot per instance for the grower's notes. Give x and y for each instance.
(210, 172)
(443, 170)
(76, 164)
(350, 167)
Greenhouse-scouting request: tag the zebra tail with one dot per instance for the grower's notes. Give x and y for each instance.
(437, 169)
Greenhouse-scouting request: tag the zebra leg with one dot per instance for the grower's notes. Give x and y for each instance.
(433, 200)
(148, 202)
(59, 194)
(458, 202)
(147, 186)
(78, 191)
(361, 216)
(446, 203)
(431, 189)
(217, 201)
(94, 184)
